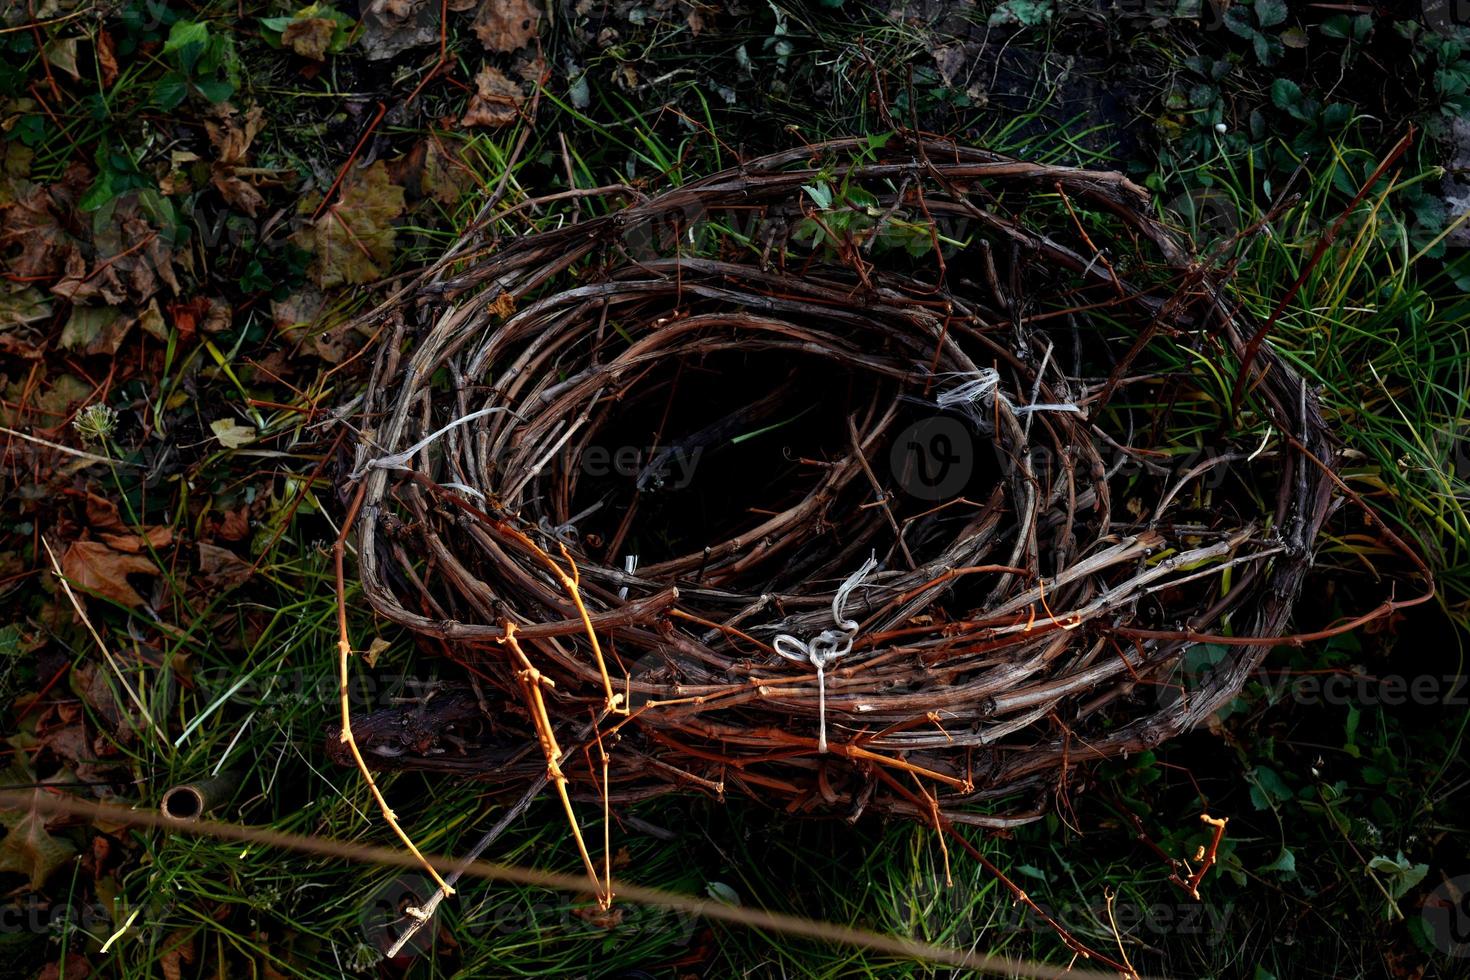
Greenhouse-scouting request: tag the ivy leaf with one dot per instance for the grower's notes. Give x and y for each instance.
(29, 850)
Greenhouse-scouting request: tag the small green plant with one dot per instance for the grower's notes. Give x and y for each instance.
(200, 63)
(1321, 123)
(1254, 21)
(849, 216)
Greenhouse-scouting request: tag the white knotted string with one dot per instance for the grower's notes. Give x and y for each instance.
(400, 461)
(828, 645)
(975, 395)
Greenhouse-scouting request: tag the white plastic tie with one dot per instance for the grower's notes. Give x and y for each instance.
(981, 388)
(828, 645)
(400, 460)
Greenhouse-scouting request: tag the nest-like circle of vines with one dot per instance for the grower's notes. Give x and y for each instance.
(1002, 380)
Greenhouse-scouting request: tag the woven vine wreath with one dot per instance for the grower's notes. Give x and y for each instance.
(861, 477)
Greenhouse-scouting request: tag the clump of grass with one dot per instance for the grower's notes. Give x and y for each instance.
(1381, 326)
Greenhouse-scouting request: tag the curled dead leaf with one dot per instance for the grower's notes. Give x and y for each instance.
(231, 136)
(106, 58)
(220, 568)
(496, 100)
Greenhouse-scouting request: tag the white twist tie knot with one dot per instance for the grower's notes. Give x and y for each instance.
(827, 645)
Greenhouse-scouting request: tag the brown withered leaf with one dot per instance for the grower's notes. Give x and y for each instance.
(506, 25)
(75, 967)
(390, 27)
(38, 220)
(96, 567)
(70, 744)
(353, 240)
(94, 685)
(496, 100)
(106, 58)
(96, 329)
(24, 312)
(309, 36)
(178, 951)
(235, 526)
(62, 53)
(220, 568)
(231, 136)
(154, 537)
(29, 850)
(129, 260)
(432, 170)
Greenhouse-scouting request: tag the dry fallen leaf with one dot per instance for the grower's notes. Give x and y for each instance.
(495, 102)
(506, 25)
(220, 568)
(390, 27)
(37, 221)
(129, 259)
(29, 850)
(232, 136)
(231, 434)
(96, 567)
(236, 524)
(178, 951)
(433, 169)
(309, 36)
(96, 329)
(375, 650)
(353, 239)
(74, 967)
(24, 318)
(133, 544)
(62, 53)
(106, 58)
